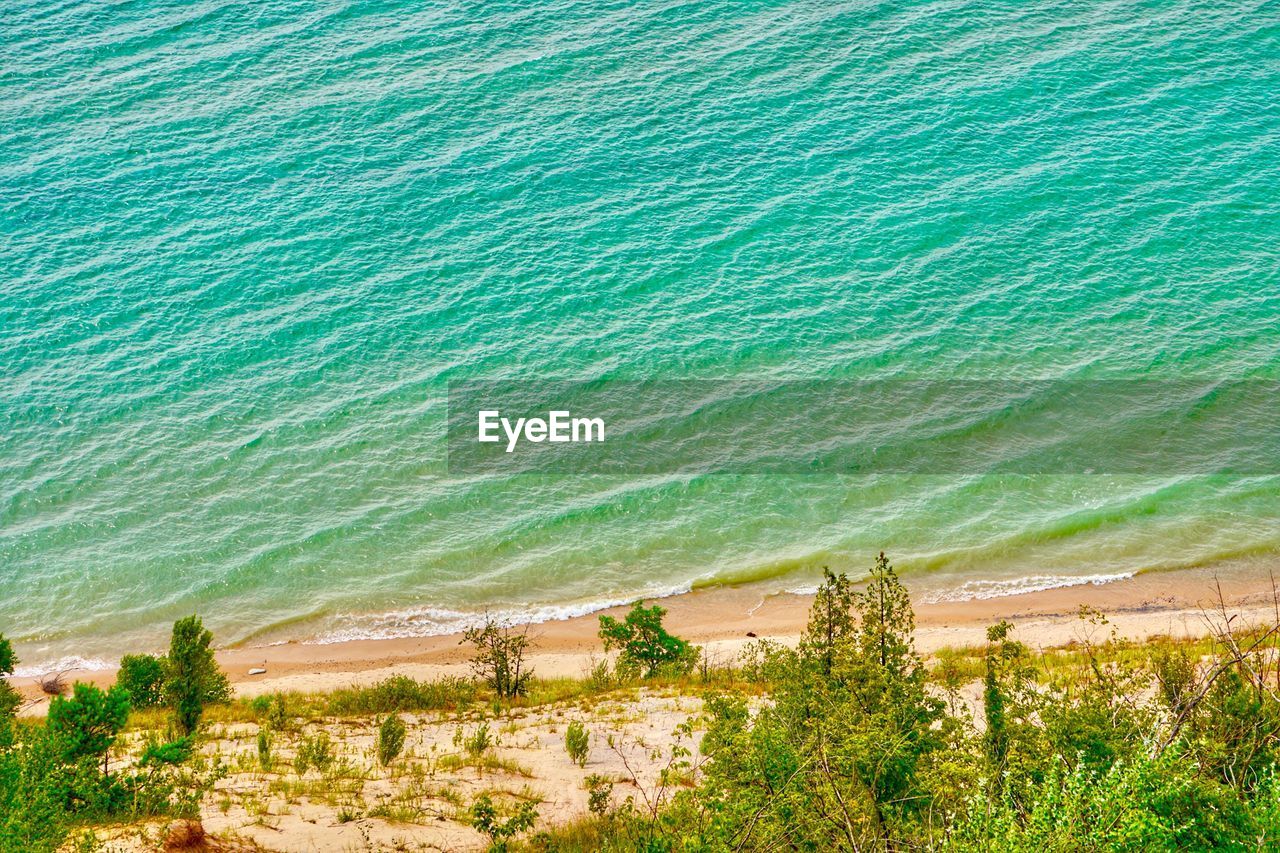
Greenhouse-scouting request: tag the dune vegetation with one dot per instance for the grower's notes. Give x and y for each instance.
(848, 740)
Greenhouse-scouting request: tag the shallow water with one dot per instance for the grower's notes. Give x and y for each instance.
(245, 249)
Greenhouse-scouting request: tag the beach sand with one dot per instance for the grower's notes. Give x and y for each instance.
(279, 810)
(725, 619)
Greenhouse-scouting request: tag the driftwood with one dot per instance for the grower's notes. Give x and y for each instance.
(53, 685)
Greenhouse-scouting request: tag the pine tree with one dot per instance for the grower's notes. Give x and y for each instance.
(194, 679)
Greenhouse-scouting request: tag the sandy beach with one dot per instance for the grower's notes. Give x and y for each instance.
(725, 619)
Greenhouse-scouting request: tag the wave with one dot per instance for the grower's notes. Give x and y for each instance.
(438, 621)
(71, 663)
(983, 589)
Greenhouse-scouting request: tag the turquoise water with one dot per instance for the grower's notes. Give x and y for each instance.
(246, 246)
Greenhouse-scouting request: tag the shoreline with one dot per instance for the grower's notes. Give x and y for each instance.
(726, 619)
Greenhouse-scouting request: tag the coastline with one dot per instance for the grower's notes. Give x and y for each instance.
(726, 619)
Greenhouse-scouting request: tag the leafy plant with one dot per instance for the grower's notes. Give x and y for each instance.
(478, 742)
(10, 699)
(170, 753)
(86, 724)
(577, 743)
(391, 735)
(265, 759)
(33, 812)
(194, 679)
(316, 752)
(645, 646)
(485, 817)
(599, 790)
(499, 656)
(143, 676)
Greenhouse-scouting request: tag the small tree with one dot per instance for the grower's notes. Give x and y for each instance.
(10, 699)
(194, 679)
(644, 645)
(265, 759)
(577, 742)
(8, 660)
(143, 677)
(1005, 686)
(484, 817)
(391, 735)
(499, 657)
(831, 620)
(85, 725)
(887, 619)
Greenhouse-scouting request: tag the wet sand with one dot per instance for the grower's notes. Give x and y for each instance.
(725, 619)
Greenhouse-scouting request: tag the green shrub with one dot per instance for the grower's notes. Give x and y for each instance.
(599, 790)
(86, 724)
(10, 699)
(401, 693)
(273, 713)
(167, 753)
(193, 679)
(577, 743)
(143, 677)
(644, 645)
(265, 759)
(316, 752)
(499, 657)
(33, 814)
(1139, 806)
(391, 734)
(486, 819)
(478, 742)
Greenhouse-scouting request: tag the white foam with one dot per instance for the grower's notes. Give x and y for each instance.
(74, 663)
(435, 621)
(984, 589)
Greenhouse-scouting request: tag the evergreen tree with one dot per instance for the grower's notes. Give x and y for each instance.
(10, 699)
(831, 620)
(85, 726)
(194, 679)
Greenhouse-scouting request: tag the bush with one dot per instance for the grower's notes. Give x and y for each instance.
(193, 679)
(33, 816)
(401, 693)
(577, 743)
(143, 677)
(391, 734)
(499, 658)
(265, 759)
(599, 790)
(315, 751)
(485, 818)
(10, 699)
(644, 644)
(478, 742)
(1143, 805)
(85, 726)
(170, 753)
(275, 715)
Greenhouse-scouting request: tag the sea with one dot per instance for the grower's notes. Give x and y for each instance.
(248, 246)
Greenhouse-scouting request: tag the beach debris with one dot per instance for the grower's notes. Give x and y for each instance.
(53, 685)
(258, 670)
